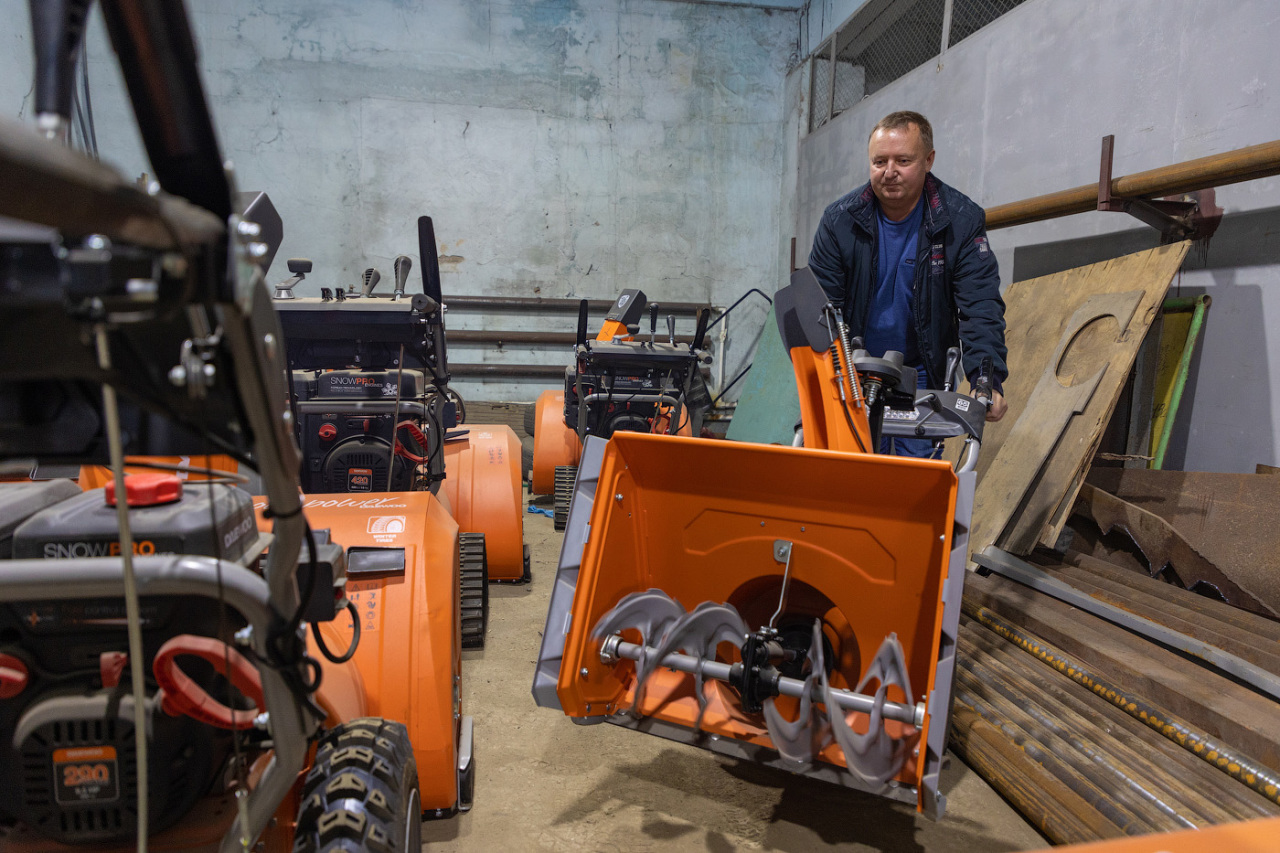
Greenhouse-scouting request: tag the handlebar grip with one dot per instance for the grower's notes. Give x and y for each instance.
(699, 337)
(982, 384)
(582, 323)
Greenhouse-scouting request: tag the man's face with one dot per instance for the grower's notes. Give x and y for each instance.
(899, 164)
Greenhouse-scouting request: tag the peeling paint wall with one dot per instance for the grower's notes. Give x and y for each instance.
(562, 147)
(1019, 110)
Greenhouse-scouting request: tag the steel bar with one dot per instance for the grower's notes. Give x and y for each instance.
(525, 303)
(614, 648)
(1024, 573)
(1062, 815)
(1238, 766)
(1216, 170)
(1139, 785)
(1149, 754)
(513, 336)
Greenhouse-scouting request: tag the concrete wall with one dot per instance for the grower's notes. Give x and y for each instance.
(1019, 109)
(563, 147)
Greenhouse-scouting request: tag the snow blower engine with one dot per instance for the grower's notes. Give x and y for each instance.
(620, 384)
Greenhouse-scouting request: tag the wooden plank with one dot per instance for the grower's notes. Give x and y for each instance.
(1039, 313)
(1062, 391)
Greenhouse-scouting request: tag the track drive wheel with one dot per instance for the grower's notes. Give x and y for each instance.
(474, 577)
(362, 791)
(565, 477)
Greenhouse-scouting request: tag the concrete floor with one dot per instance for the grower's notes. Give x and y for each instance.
(544, 783)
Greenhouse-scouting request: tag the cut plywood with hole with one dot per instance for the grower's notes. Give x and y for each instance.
(1072, 339)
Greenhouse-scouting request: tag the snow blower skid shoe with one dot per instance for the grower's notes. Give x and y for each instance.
(794, 606)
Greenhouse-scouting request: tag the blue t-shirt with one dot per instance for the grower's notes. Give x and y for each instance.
(889, 322)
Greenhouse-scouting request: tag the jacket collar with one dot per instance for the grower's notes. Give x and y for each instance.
(862, 207)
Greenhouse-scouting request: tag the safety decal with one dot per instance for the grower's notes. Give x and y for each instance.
(367, 597)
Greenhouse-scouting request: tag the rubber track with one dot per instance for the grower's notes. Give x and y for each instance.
(357, 793)
(474, 580)
(565, 477)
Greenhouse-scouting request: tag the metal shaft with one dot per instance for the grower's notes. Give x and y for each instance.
(615, 648)
(1216, 170)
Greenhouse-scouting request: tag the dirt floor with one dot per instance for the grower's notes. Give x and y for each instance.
(544, 783)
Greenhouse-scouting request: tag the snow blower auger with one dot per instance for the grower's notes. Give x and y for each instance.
(619, 382)
(168, 676)
(794, 606)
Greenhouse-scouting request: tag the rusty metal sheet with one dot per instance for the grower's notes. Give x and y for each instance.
(1167, 553)
(1233, 520)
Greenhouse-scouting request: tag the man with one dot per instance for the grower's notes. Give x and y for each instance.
(905, 258)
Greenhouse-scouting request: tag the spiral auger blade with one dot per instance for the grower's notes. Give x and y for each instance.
(649, 612)
(697, 633)
(874, 757)
(801, 740)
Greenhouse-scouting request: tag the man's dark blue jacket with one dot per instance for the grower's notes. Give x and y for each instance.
(957, 285)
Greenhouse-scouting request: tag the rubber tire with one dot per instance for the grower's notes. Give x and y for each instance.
(566, 475)
(473, 577)
(362, 791)
(530, 419)
(526, 458)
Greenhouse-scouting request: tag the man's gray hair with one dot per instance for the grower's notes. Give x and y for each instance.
(903, 119)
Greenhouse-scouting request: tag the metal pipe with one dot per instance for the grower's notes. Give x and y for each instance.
(1201, 304)
(520, 371)
(1216, 170)
(1009, 566)
(614, 648)
(523, 303)
(512, 336)
(1238, 766)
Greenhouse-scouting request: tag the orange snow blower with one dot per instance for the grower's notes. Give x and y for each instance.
(176, 671)
(618, 383)
(795, 606)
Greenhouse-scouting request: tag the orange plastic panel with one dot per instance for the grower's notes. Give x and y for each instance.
(482, 485)
(554, 444)
(410, 649)
(611, 329)
(697, 519)
(1255, 836)
(822, 412)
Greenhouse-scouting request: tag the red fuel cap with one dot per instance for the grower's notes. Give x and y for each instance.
(13, 676)
(147, 489)
(328, 432)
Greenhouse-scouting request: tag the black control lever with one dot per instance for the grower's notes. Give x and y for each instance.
(582, 323)
(699, 337)
(299, 267)
(401, 268)
(671, 328)
(430, 259)
(953, 362)
(370, 278)
(653, 322)
(57, 31)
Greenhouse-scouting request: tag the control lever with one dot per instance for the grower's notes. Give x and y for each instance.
(653, 322)
(582, 323)
(299, 267)
(57, 33)
(953, 362)
(983, 382)
(700, 335)
(671, 328)
(370, 278)
(326, 295)
(402, 266)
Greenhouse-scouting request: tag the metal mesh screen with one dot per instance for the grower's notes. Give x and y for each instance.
(969, 16)
(820, 89)
(904, 36)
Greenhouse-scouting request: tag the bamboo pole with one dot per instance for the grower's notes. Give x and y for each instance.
(1216, 170)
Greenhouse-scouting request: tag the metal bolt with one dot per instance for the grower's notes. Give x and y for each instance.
(762, 524)
(245, 228)
(269, 344)
(178, 375)
(97, 241)
(258, 250)
(583, 672)
(618, 496)
(802, 528)
(244, 636)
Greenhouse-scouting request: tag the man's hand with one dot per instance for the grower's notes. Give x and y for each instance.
(998, 406)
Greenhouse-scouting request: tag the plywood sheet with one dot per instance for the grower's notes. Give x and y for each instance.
(1063, 331)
